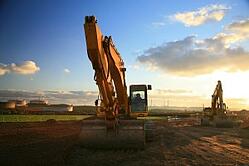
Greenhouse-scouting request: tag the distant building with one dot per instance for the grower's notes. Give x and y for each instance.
(11, 104)
(18, 103)
(70, 108)
(60, 108)
(44, 107)
(38, 102)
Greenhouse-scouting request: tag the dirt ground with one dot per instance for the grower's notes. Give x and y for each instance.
(181, 142)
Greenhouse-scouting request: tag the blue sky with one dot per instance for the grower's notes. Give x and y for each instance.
(50, 33)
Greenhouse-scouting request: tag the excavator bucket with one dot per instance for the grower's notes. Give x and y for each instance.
(222, 122)
(129, 135)
(219, 122)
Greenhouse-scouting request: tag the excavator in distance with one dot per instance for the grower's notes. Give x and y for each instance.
(116, 125)
(217, 114)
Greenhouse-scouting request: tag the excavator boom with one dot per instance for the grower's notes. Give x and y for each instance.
(217, 98)
(116, 129)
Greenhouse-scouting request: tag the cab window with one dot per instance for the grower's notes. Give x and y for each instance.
(138, 94)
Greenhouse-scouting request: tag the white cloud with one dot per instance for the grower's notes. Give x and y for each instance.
(53, 97)
(171, 91)
(229, 38)
(240, 26)
(67, 70)
(175, 97)
(235, 32)
(135, 66)
(3, 69)
(202, 15)
(26, 67)
(192, 56)
(158, 24)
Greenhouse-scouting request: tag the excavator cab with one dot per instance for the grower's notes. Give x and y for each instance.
(139, 100)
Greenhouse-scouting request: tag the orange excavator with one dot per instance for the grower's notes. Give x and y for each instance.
(217, 114)
(116, 124)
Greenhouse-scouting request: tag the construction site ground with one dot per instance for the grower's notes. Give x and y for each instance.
(176, 142)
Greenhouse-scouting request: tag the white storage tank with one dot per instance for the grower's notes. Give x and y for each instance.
(70, 108)
(21, 103)
(39, 102)
(10, 104)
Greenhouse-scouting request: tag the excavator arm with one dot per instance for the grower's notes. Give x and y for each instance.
(109, 70)
(217, 100)
(117, 129)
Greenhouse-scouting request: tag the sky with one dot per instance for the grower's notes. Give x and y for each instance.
(181, 49)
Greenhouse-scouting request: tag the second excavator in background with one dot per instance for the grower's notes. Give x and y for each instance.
(217, 115)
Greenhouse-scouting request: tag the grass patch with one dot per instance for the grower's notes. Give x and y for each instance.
(40, 118)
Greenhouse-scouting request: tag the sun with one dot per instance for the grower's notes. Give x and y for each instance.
(234, 86)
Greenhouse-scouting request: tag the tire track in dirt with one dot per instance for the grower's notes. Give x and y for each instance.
(202, 145)
(230, 151)
(223, 144)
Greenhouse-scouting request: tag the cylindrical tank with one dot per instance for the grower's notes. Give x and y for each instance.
(21, 103)
(70, 108)
(10, 105)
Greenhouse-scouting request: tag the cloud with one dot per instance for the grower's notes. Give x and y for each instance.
(163, 97)
(26, 67)
(188, 98)
(191, 56)
(53, 97)
(176, 97)
(202, 15)
(67, 71)
(240, 26)
(3, 69)
(172, 91)
(158, 24)
(235, 32)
